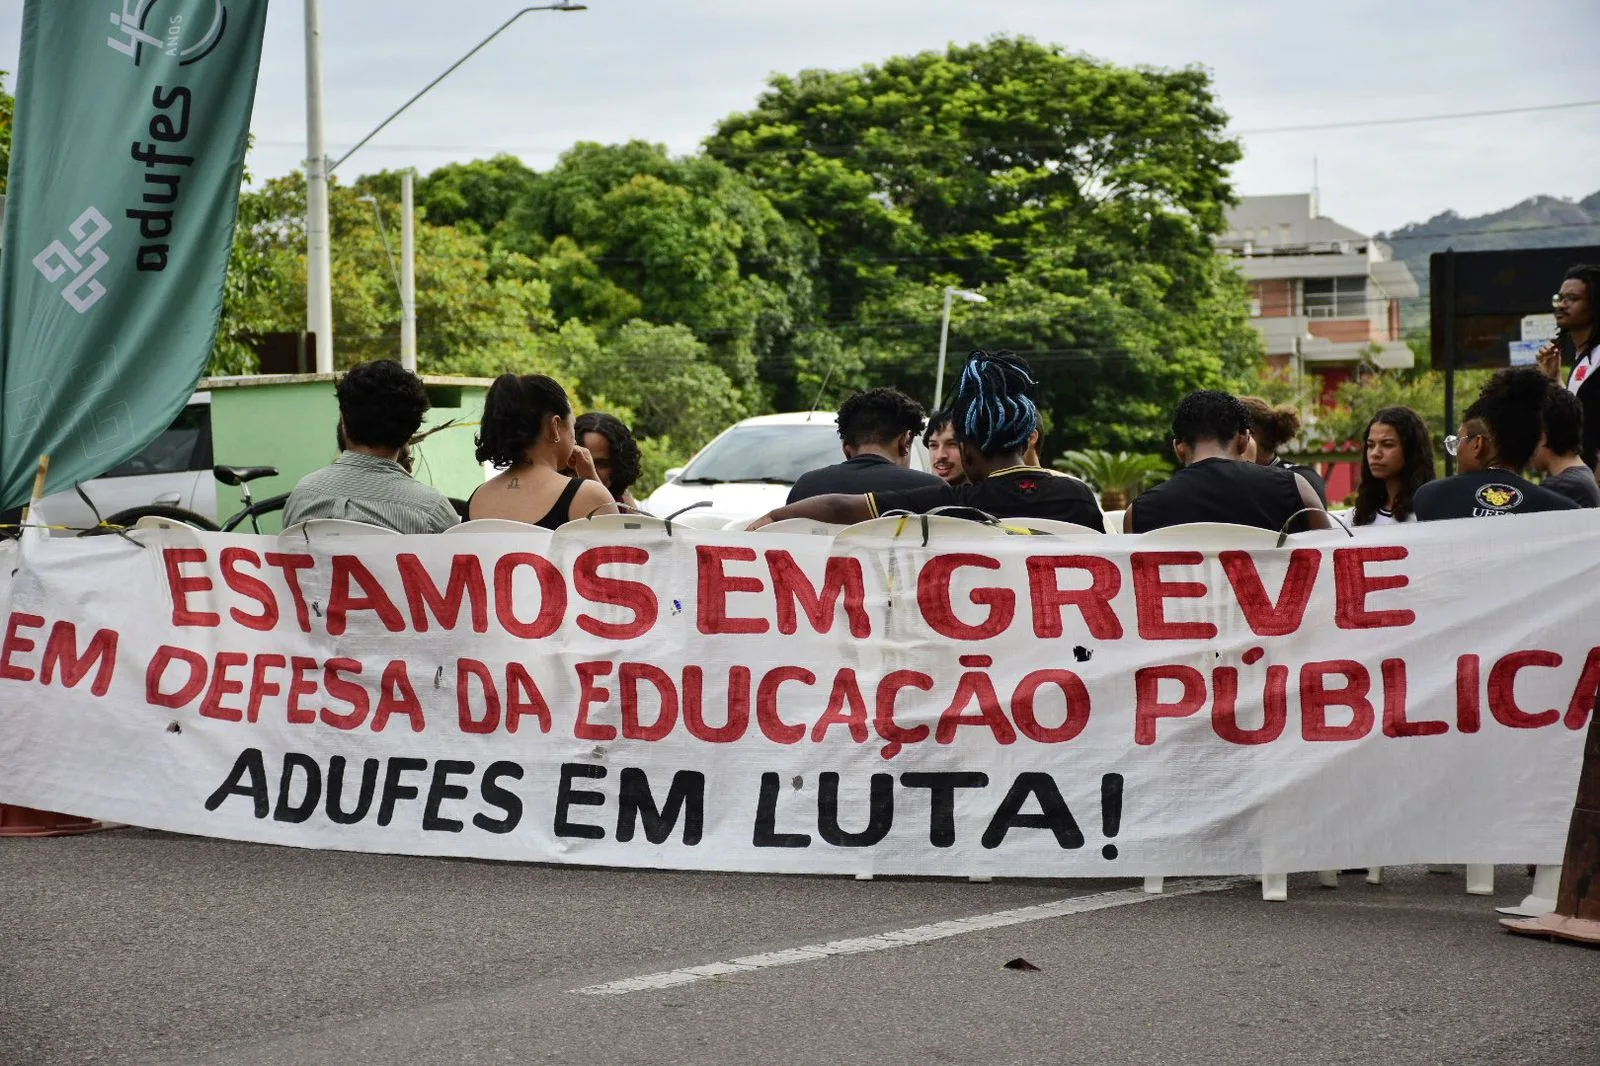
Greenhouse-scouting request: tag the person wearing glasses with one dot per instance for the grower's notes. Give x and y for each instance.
(1497, 438)
(1577, 339)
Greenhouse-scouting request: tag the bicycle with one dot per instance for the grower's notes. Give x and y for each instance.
(239, 476)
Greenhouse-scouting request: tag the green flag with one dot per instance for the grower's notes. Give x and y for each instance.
(132, 118)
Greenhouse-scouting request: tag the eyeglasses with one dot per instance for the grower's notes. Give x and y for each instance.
(1453, 443)
(1561, 299)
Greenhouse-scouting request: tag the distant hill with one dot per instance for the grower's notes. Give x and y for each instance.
(1539, 222)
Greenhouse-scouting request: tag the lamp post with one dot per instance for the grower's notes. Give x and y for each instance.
(319, 278)
(944, 335)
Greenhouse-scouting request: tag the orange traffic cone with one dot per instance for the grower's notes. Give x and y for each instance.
(1577, 913)
(26, 822)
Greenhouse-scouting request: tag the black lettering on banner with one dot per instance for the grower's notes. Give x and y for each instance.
(766, 835)
(251, 763)
(1053, 813)
(686, 796)
(880, 812)
(942, 800)
(393, 790)
(307, 806)
(502, 798)
(439, 790)
(567, 797)
(369, 784)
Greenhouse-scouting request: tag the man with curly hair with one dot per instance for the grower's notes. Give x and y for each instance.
(876, 428)
(381, 405)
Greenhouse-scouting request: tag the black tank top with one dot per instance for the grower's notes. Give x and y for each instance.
(556, 517)
(1220, 490)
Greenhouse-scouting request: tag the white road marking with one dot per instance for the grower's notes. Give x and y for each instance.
(899, 938)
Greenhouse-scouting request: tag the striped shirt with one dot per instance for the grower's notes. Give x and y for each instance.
(365, 488)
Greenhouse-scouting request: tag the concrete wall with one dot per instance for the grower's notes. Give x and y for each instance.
(289, 421)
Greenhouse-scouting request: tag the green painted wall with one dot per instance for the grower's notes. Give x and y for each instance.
(289, 421)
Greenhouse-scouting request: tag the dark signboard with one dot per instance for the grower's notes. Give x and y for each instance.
(1477, 300)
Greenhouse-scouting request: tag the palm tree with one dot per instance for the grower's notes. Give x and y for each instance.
(1117, 476)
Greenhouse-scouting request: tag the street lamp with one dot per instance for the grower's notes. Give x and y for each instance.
(319, 272)
(944, 335)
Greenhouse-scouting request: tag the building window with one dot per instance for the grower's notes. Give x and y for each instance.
(1336, 297)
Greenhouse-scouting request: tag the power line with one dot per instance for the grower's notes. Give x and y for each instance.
(1441, 117)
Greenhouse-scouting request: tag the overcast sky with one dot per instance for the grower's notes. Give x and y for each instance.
(667, 70)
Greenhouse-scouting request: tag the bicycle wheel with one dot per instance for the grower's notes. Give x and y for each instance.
(127, 518)
(259, 509)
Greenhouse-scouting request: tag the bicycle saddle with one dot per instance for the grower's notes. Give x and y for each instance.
(238, 475)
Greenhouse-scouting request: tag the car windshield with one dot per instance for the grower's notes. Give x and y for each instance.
(775, 454)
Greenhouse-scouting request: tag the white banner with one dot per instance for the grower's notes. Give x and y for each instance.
(1025, 706)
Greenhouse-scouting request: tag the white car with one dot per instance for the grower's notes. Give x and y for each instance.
(750, 467)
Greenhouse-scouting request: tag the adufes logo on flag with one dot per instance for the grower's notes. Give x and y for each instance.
(129, 137)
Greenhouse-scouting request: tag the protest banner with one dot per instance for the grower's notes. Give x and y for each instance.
(128, 147)
(1027, 706)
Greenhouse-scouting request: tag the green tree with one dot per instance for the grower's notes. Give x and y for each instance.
(476, 196)
(1079, 196)
(8, 106)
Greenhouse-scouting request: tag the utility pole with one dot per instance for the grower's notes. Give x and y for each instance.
(319, 267)
(408, 271)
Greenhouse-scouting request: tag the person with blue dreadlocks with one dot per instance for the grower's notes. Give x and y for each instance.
(994, 418)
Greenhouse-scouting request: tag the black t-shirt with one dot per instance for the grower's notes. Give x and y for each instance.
(1577, 485)
(1314, 479)
(1484, 494)
(1016, 492)
(1220, 490)
(856, 477)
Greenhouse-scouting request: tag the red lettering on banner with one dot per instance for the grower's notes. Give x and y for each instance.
(524, 700)
(349, 570)
(180, 585)
(841, 580)
(629, 678)
(1352, 585)
(715, 583)
(618, 592)
(1503, 685)
(1225, 706)
(897, 735)
(1093, 603)
(1151, 591)
(738, 705)
(250, 587)
(1148, 707)
(464, 587)
(1077, 697)
(590, 694)
(774, 728)
(1586, 692)
(846, 707)
(260, 687)
(299, 685)
(61, 653)
(350, 692)
(222, 685)
(291, 565)
(397, 696)
(1265, 618)
(1469, 713)
(17, 644)
(552, 596)
(933, 597)
(196, 683)
(468, 670)
(1316, 697)
(1395, 723)
(974, 685)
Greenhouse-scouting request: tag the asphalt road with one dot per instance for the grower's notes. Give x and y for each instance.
(142, 947)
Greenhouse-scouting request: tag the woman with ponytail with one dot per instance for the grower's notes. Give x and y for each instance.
(994, 416)
(527, 433)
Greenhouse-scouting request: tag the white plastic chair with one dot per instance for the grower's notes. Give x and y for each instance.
(796, 525)
(1113, 521)
(616, 523)
(1048, 527)
(335, 529)
(494, 525)
(1216, 535)
(917, 527)
(151, 521)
